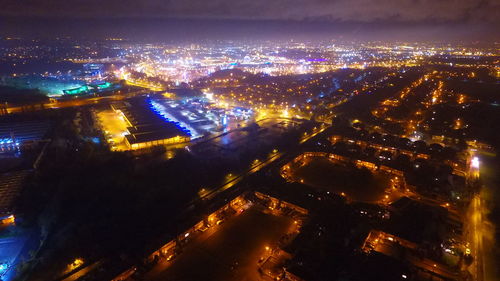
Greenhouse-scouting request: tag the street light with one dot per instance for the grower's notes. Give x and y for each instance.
(475, 162)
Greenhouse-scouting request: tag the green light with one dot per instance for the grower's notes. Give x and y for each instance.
(77, 91)
(104, 85)
(85, 89)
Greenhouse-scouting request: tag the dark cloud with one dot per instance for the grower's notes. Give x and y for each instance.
(400, 11)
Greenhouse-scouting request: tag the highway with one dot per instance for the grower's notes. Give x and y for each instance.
(233, 180)
(73, 102)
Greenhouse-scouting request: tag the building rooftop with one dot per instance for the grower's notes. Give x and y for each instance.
(146, 124)
(10, 187)
(23, 131)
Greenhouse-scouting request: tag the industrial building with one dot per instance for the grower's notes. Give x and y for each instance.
(147, 128)
(10, 187)
(14, 134)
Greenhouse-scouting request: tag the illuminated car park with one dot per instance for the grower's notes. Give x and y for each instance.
(200, 117)
(152, 121)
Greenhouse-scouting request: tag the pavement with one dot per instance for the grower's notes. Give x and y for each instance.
(115, 126)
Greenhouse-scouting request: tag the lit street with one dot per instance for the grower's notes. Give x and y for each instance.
(480, 232)
(234, 179)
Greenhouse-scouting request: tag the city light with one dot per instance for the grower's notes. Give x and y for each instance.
(384, 134)
(475, 162)
(78, 262)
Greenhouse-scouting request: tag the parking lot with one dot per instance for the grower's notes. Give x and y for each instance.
(230, 251)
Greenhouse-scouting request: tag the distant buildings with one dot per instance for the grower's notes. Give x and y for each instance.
(93, 69)
(57, 86)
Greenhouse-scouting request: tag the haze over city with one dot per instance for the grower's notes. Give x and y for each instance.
(249, 140)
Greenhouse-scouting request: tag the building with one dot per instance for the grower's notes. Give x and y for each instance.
(146, 128)
(93, 69)
(91, 88)
(152, 137)
(15, 134)
(10, 187)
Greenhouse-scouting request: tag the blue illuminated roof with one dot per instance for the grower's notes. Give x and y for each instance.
(160, 110)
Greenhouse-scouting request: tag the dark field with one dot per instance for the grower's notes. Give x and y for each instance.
(357, 184)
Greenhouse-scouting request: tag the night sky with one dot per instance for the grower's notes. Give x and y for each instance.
(334, 10)
(464, 14)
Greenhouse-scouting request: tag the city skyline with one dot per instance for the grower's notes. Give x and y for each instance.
(252, 140)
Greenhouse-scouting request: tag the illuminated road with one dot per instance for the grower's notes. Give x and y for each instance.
(313, 134)
(82, 272)
(72, 102)
(474, 233)
(145, 85)
(233, 180)
(479, 231)
(475, 236)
